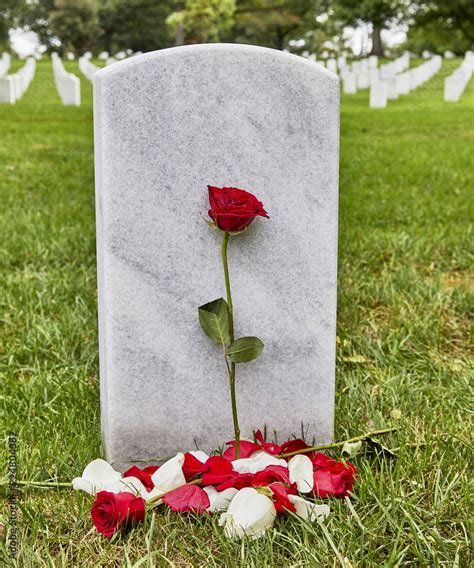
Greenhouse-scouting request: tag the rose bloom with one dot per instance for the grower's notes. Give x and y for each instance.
(233, 209)
(332, 478)
(113, 511)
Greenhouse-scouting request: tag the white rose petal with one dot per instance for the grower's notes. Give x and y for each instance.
(129, 484)
(257, 462)
(97, 476)
(219, 500)
(250, 513)
(301, 473)
(168, 477)
(307, 510)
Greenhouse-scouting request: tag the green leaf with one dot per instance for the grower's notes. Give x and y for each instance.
(214, 320)
(245, 349)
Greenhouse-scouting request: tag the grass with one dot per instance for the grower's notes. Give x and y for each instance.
(405, 295)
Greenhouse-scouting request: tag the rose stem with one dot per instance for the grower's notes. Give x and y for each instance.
(231, 330)
(53, 484)
(338, 444)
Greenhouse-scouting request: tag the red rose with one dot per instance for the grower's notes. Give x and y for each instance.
(332, 478)
(233, 209)
(112, 511)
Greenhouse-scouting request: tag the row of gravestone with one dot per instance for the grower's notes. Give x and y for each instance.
(14, 86)
(403, 83)
(67, 84)
(456, 83)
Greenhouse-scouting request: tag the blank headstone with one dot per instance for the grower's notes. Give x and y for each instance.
(378, 95)
(349, 84)
(7, 90)
(167, 124)
(363, 80)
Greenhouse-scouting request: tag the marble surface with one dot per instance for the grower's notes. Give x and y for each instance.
(168, 123)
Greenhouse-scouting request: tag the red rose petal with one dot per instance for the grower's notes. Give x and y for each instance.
(246, 449)
(142, 475)
(187, 498)
(280, 498)
(192, 466)
(270, 474)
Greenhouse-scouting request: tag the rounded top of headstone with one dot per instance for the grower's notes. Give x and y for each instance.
(200, 51)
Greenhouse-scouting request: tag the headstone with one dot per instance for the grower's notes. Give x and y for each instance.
(349, 84)
(392, 92)
(373, 61)
(331, 65)
(378, 95)
(168, 123)
(67, 84)
(374, 75)
(363, 80)
(7, 90)
(403, 83)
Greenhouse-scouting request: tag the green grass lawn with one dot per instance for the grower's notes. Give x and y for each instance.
(405, 295)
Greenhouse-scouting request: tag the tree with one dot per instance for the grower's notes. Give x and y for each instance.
(274, 23)
(200, 21)
(8, 13)
(139, 25)
(75, 24)
(112, 25)
(379, 13)
(442, 24)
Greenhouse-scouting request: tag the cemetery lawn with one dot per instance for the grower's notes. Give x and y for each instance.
(403, 360)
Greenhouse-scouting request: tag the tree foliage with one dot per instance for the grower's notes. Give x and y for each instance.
(139, 25)
(440, 25)
(75, 23)
(8, 14)
(203, 20)
(274, 23)
(379, 13)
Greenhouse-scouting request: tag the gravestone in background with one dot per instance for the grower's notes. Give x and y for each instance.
(167, 124)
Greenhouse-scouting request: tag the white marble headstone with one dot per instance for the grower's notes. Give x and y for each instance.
(167, 124)
(378, 95)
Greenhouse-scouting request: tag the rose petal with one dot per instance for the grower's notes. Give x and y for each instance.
(169, 476)
(188, 498)
(307, 510)
(257, 462)
(301, 473)
(219, 501)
